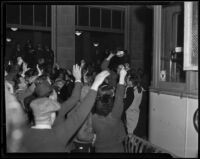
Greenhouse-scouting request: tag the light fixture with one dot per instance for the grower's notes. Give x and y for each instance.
(8, 40)
(14, 29)
(95, 44)
(78, 33)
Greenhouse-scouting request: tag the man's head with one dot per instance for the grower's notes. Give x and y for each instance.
(43, 87)
(44, 110)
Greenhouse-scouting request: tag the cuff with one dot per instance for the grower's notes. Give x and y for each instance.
(78, 81)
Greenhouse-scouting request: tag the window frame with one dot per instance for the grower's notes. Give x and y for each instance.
(187, 89)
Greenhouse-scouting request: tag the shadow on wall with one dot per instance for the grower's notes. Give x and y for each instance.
(144, 15)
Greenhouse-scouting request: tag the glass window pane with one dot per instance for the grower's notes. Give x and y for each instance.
(116, 19)
(76, 15)
(12, 14)
(172, 54)
(83, 16)
(40, 15)
(27, 14)
(123, 19)
(48, 15)
(105, 18)
(95, 17)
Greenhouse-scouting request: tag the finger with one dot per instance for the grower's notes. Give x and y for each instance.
(73, 68)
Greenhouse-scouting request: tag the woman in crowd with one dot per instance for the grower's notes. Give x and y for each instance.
(106, 121)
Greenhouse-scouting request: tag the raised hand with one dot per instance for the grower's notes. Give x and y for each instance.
(19, 60)
(82, 63)
(122, 75)
(127, 66)
(110, 56)
(25, 68)
(120, 53)
(40, 72)
(49, 80)
(77, 72)
(99, 79)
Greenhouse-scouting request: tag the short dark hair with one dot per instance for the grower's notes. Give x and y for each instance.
(104, 102)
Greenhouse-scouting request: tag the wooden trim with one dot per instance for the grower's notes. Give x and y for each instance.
(77, 15)
(127, 29)
(46, 15)
(173, 86)
(89, 17)
(157, 44)
(186, 89)
(174, 93)
(20, 14)
(29, 27)
(100, 18)
(192, 84)
(108, 7)
(111, 16)
(121, 20)
(33, 15)
(53, 31)
(87, 28)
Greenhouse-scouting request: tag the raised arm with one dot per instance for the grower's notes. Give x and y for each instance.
(106, 62)
(132, 113)
(74, 98)
(118, 103)
(66, 129)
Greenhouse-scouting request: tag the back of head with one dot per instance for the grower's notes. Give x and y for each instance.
(43, 107)
(104, 103)
(43, 87)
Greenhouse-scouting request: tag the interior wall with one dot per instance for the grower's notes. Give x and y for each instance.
(171, 124)
(140, 37)
(63, 35)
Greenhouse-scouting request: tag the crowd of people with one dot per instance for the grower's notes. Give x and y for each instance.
(53, 109)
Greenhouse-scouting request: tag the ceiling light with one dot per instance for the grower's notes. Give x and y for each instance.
(78, 33)
(14, 29)
(96, 44)
(8, 39)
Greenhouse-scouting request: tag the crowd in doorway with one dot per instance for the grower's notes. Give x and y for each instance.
(82, 109)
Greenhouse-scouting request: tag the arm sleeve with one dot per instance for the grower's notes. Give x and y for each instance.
(118, 103)
(105, 64)
(132, 113)
(65, 130)
(70, 103)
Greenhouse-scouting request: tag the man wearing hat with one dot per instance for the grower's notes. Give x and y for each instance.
(51, 133)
